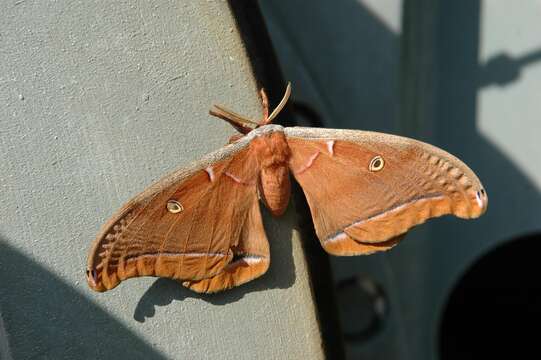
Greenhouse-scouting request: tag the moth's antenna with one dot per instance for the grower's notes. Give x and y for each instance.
(281, 105)
(239, 122)
(245, 125)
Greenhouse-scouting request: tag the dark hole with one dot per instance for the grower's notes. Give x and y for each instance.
(377, 163)
(495, 309)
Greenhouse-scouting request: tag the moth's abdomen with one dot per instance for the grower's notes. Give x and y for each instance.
(272, 152)
(275, 188)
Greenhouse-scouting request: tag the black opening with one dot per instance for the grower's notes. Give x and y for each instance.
(495, 309)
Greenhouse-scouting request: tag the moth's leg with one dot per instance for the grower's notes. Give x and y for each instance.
(343, 245)
(235, 138)
(246, 265)
(265, 104)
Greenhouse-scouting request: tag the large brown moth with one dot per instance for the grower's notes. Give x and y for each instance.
(202, 224)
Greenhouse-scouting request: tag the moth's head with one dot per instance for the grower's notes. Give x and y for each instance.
(244, 125)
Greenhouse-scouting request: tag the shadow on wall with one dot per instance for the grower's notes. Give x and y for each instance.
(4, 346)
(343, 55)
(515, 201)
(351, 57)
(46, 318)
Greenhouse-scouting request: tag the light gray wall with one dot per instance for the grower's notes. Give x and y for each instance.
(99, 99)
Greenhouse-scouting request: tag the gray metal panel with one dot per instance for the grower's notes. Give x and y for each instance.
(99, 100)
(470, 84)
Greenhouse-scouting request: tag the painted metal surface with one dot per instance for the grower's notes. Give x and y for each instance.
(465, 80)
(99, 100)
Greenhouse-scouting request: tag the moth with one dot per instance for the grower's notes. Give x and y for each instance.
(202, 224)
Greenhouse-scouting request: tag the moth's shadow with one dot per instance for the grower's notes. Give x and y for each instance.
(281, 273)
